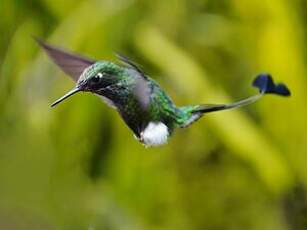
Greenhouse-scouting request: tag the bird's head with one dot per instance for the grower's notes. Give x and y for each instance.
(95, 78)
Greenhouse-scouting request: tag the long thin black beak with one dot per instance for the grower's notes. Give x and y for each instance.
(70, 93)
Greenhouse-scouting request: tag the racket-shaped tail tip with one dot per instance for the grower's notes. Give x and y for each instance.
(265, 84)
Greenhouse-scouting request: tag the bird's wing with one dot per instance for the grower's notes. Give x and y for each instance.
(142, 90)
(124, 59)
(70, 63)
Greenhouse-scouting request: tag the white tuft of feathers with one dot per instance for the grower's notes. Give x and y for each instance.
(155, 133)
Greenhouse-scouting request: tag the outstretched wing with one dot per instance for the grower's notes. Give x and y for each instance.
(142, 89)
(70, 63)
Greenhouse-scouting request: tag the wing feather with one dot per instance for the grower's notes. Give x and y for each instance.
(142, 90)
(71, 64)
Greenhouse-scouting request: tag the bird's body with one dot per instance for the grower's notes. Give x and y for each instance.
(141, 102)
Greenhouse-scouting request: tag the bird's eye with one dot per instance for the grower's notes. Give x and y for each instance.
(97, 78)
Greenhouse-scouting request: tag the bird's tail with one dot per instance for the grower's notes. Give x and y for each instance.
(263, 82)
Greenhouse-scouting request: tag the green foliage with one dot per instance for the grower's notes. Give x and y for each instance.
(78, 166)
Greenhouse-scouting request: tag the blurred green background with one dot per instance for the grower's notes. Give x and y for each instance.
(77, 166)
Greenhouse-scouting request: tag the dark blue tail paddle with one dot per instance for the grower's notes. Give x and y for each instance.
(265, 84)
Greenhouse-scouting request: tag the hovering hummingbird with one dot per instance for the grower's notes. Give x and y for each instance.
(141, 102)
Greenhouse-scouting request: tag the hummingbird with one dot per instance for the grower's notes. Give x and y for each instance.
(143, 105)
